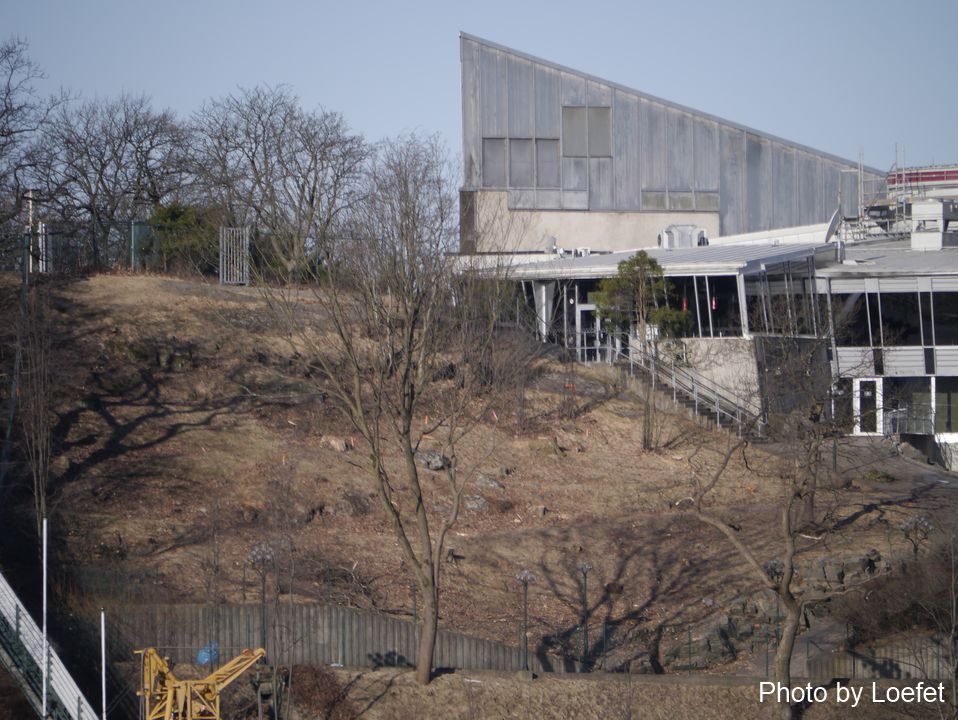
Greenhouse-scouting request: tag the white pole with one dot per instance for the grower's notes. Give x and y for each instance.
(46, 647)
(103, 659)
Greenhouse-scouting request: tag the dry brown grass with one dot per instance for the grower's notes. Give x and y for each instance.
(391, 695)
(160, 456)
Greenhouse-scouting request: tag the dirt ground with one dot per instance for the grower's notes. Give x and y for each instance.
(388, 695)
(188, 436)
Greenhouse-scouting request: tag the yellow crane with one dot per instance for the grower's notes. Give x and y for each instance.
(168, 698)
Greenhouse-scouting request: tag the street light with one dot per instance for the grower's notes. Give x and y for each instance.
(525, 577)
(584, 568)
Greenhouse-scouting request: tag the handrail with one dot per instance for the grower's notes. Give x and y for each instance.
(706, 393)
(30, 637)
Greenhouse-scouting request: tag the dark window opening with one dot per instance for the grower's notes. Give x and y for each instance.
(900, 316)
(946, 318)
(850, 319)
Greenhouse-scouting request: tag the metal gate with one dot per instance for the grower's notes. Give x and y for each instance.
(234, 256)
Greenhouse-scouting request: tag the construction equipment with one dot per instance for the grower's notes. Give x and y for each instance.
(165, 697)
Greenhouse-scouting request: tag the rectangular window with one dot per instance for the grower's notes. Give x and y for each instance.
(547, 163)
(575, 134)
(850, 319)
(600, 132)
(946, 318)
(493, 162)
(900, 319)
(521, 163)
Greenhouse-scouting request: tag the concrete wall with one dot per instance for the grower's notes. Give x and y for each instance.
(726, 364)
(502, 229)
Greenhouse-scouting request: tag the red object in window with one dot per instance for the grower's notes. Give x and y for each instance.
(685, 303)
(714, 303)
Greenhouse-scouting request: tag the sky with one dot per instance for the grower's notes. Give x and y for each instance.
(841, 76)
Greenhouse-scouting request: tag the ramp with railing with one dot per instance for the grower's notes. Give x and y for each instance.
(22, 654)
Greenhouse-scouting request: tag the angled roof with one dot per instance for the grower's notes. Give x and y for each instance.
(667, 103)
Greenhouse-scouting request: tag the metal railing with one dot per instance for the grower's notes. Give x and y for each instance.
(23, 649)
(707, 398)
(915, 420)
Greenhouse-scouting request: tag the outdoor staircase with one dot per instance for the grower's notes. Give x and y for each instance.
(701, 397)
(21, 653)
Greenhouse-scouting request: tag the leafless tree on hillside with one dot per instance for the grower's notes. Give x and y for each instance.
(101, 161)
(35, 396)
(289, 172)
(405, 347)
(22, 113)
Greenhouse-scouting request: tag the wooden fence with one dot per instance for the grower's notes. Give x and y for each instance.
(309, 634)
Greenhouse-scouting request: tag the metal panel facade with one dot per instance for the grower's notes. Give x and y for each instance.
(758, 182)
(904, 361)
(521, 98)
(600, 183)
(625, 150)
(706, 159)
(731, 174)
(680, 170)
(849, 190)
(548, 106)
(653, 145)
(681, 158)
(471, 133)
(493, 93)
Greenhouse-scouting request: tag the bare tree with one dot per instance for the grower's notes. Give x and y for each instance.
(35, 395)
(103, 160)
(290, 172)
(22, 112)
(405, 347)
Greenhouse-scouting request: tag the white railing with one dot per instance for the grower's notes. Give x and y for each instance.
(29, 636)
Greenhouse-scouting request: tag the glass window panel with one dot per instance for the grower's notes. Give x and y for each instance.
(574, 132)
(493, 162)
(600, 132)
(946, 318)
(850, 319)
(520, 163)
(900, 319)
(547, 163)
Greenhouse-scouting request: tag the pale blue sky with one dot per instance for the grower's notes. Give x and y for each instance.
(836, 75)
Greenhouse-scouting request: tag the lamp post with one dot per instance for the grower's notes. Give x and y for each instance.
(525, 577)
(584, 568)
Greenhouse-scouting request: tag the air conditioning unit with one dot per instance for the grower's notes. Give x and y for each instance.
(582, 252)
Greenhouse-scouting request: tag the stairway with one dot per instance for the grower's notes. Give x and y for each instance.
(702, 398)
(21, 653)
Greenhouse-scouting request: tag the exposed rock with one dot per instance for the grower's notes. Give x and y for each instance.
(433, 460)
(487, 481)
(475, 502)
(338, 444)
(352, 504)
(180, 362)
